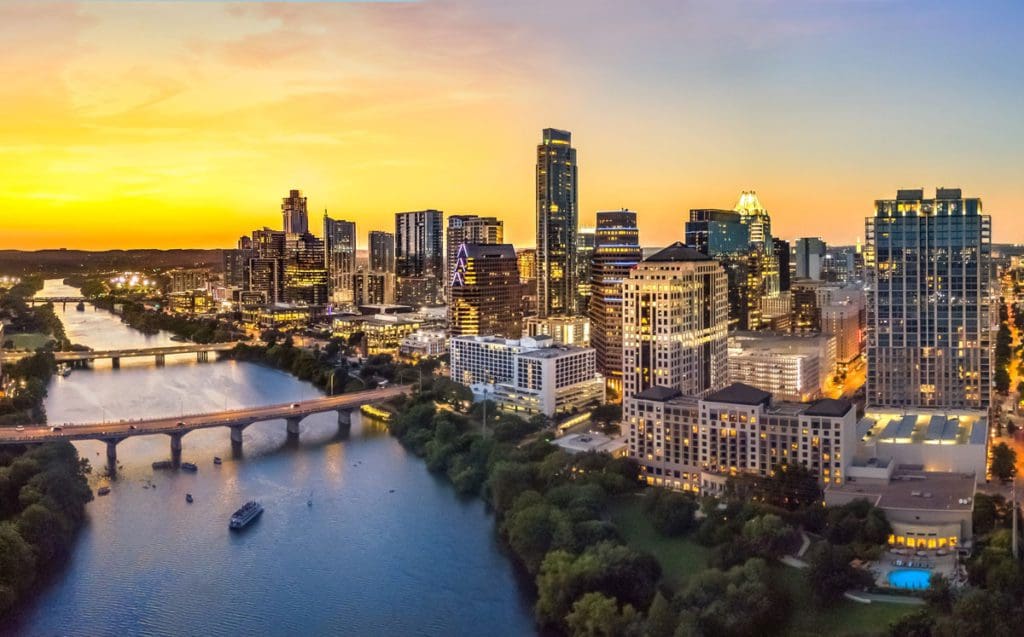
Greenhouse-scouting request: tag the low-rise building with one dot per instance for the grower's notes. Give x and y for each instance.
(381, 333)
(693, 444)
(529, 375)
(616, 447)
(794, 368)
(282, 316)
(424, 344)
(932, 441)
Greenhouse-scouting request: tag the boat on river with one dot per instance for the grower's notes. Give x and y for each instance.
(244, 516)
(80, 307)
(103, 491)
(163, 464)
(189, 466)
(216, 460)
(188, 498)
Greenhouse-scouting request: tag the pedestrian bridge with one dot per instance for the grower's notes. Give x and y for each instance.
(176, 428)
(159, 354)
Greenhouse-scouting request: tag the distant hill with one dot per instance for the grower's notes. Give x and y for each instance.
(65, 262)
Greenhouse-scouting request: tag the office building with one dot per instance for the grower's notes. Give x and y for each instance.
(382, 251)
(528, 376)
(563, 330)
(485, 295)
(781, 250)
(717, 232)
(694, 444)
(806, 308)
(419, 257)
(843, 321)
(373, 288)
(424, 344)
(235, 263)
(340, 247)
(810, 258)
(527, 259)
(616, 252)
(675, 322)
(188, 280)
(293, 210)
(557, 223)
(469, 229)
(756, 218)
(930, 308)
(305, 276)
(793, 368)
(380, 333)
(585, 241)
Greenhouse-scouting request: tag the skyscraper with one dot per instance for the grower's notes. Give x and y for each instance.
(756, 218)
(382, 251)
(616, 251)
(557, 222)
(293, 209)
(781, 250)
(419, 257)
(486, 299)
(585, 241)
(717, 232)
(810, 258)
(340, 247)
(675, 323)
(469, 229)
(305, 276)
(930, 306)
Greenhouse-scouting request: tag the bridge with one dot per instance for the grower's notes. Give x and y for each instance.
(176, 428)
(201, 350)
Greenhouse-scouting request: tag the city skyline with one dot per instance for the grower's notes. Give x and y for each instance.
(115, 142)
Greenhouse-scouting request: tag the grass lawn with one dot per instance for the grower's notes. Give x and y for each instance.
(679, 557)
(30, 341)
(845, 618)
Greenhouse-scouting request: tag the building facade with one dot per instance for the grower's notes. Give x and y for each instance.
(469, 229)
(382, 251)
(485, 296)
(557, 224)
(675, 323)
(810, 258)
(527, 376)
(792, 368)
(340, 247)
(563, 330)
(616, 252)
(692, 444)
(586, 240)
(293, 211)
(930, 308)
(419, 257)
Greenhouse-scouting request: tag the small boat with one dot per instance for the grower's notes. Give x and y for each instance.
(103, 491)
(163, 464)
(245, 515)
(189, 466)
(65, 371)
(188, 498)
(309, 502)
(81, 306)
(216, 460)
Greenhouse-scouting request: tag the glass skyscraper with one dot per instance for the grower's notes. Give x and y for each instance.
(930, 305)
(557, 224)
(419, 257)
(616, 251)
(340, 246)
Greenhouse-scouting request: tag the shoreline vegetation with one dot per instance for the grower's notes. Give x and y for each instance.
(43, 488)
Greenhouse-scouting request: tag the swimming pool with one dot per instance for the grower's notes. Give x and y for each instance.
(912, 578)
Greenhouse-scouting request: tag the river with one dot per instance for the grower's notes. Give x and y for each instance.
(385, 549)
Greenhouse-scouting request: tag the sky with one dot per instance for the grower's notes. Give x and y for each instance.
(130, 124)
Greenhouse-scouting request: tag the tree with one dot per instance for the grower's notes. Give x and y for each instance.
(830, 574)
(595, 615)
(1002, 379)
(507, 480)
(919, 624)
(661, 618)
(536, 529)
(939, 594)
(768, 536)
(1004, 462)
(671, 513)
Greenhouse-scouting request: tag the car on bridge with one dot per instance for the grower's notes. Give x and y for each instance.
(181, 423)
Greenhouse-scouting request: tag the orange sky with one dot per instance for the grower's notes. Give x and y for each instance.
(131, 124)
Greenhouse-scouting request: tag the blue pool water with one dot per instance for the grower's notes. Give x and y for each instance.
(913, 578)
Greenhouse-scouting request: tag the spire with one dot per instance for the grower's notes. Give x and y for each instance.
(749, 204)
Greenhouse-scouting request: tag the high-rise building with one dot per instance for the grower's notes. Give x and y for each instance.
(340, 247)
(810, 258)
(373, 288)
(485, 294)
(235, 263)
(930, 302)
(557, 223)
(675, 323)
(382, 251)
(305, 277)
(717, 232)
(469, 229)
(616, 251)
(585, 241)
(419, 257)
(293, 210)
(756, 218)
(781, 249)
(527, 259)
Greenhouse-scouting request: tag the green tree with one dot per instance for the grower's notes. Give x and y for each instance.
(1004, 462)
(536, 529)
(662, 620)
(939, 594)
(829, 572)
(595, 615)
(671, 513)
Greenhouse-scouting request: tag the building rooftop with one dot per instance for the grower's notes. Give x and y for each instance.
(740, 394)
(677, 252)
(925, 427)
(590, 441)
(659, 393)
(832, 407)
(921, 490)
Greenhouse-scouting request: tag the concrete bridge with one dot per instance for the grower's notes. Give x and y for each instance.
(201, 350)
(176, 428)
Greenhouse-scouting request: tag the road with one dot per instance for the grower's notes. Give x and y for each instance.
(83, 355)
(184, 424)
